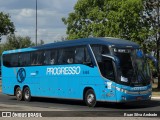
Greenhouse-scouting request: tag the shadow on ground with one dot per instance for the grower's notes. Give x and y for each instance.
(124, 106)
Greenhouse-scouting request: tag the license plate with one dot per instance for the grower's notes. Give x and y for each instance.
(139, 98)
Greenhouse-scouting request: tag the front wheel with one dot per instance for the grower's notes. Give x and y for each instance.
(90, 98)
(27, 94)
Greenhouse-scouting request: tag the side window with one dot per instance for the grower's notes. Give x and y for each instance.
(99, 50)
(73, 55)
(24, 59)
(14, 60)
(10, 60)
(82, 55)
(50, 57)
(37, 58)
(66, 55)
(107, 70)
(88, 57)
(6, 60)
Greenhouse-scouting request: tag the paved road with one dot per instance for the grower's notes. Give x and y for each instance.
(9, 103)
(71, 105)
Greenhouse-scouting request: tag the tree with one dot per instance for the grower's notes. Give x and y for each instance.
(17, 42)
(100, 18)
(136, 20)
(6, 26)
(41, 42)
(152, 14)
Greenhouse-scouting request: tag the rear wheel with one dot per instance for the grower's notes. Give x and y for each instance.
(18, 94)
(27, 94)
(90, 98)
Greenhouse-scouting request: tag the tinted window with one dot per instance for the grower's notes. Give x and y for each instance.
(75, 55)
(66, 56)
(24, 59)
(79, 55)
(69, 55)
(6, 60)
(50, 57)
(10, 60)
(107, 70)
(37, 58)
(99, 50)
(82, 55)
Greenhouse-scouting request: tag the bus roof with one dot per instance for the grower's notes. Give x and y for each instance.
(83, 41)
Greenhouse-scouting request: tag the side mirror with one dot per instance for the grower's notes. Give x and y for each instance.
(109, 56)
(113, 58)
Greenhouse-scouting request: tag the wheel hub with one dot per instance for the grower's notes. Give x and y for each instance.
(27, 94)
(90, 98)
(19, 94)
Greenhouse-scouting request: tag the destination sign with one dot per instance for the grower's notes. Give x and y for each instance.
(119, 50)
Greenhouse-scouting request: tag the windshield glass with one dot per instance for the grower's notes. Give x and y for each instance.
(132, 67)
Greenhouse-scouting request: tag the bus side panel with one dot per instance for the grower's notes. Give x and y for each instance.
(64, 83)
(11, 78)
(7, 87)
(8, 80)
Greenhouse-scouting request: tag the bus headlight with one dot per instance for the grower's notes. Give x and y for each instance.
(121, 90)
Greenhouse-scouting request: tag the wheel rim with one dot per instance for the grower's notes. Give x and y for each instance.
(90, 98)
(27, 94)
(19, 94)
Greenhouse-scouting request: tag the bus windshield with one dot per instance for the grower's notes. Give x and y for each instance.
(133, 69)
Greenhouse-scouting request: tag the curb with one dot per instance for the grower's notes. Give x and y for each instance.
(155, 98)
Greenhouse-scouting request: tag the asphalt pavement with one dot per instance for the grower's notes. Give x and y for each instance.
(74, 105)
(77, 109)
(9, 103)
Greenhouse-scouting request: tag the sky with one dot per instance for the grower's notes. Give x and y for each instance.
(49, 13)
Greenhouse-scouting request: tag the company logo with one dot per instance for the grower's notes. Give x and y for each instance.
(21, 75)
(63, 70)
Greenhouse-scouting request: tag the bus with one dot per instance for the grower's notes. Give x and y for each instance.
(89, 69)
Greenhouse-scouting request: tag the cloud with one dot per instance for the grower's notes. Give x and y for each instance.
(50, 12)
(48, 35)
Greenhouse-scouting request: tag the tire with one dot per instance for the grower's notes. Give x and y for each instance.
(90, 98)
(18, 94)
(27, 94)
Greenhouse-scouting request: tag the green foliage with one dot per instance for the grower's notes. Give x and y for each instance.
(152, 10)
(100, 18)
(16, 42)
(41, 42)
(136, 20)
(6, 26)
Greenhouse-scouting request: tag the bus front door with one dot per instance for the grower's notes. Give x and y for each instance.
(107, 70)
